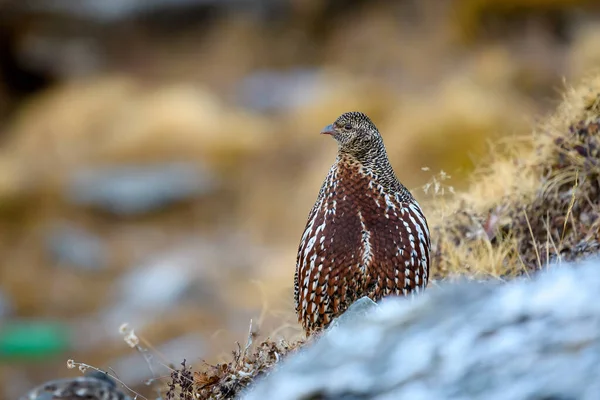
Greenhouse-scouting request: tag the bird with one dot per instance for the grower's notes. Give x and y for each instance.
(366, 235)
(95, 385)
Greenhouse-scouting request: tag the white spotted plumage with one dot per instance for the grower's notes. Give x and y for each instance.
(365, 234)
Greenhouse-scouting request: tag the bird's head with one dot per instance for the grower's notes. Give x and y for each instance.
(354, 133)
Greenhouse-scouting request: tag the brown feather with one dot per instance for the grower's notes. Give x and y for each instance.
(365, 235)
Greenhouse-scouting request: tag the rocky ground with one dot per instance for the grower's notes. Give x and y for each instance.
(529, 339)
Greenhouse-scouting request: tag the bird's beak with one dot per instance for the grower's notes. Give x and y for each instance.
(328, 130)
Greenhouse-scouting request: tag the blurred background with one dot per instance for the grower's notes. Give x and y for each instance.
(158, 158)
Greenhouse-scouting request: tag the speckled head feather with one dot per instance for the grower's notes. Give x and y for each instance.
(354, 132)
(366, 235)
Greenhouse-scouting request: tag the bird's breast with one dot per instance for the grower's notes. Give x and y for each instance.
(360, 239)
(359, 222)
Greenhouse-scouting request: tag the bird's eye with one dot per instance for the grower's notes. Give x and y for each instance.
(347, 127)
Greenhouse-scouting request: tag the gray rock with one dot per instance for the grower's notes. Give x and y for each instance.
(76, 247)
(359, 309)
(273, 91)
(118, 10)
(6, 306)
(528, 339)
(94, 385)
(134, 190)
(168, 279)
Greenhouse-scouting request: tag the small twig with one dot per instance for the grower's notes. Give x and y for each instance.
(165, 360)
(264, 300)
(537, 253)
(549, 234)
(546, 222)
(133, 340)
(571, 204)
(248, 341)
(84, 366)
(523, 264)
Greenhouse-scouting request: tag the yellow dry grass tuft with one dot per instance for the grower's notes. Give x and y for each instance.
(536, 206)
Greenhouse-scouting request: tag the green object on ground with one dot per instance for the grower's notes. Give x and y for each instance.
(22, 340)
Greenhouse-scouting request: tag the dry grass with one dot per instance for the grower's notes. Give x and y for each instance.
(226, 380)
(537, 206)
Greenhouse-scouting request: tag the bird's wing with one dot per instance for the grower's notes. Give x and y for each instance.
(398, 243)
(328, 272)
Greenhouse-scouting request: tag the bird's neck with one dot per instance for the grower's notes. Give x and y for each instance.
(375, 164)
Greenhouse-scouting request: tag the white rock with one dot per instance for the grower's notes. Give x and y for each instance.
(527, 339)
